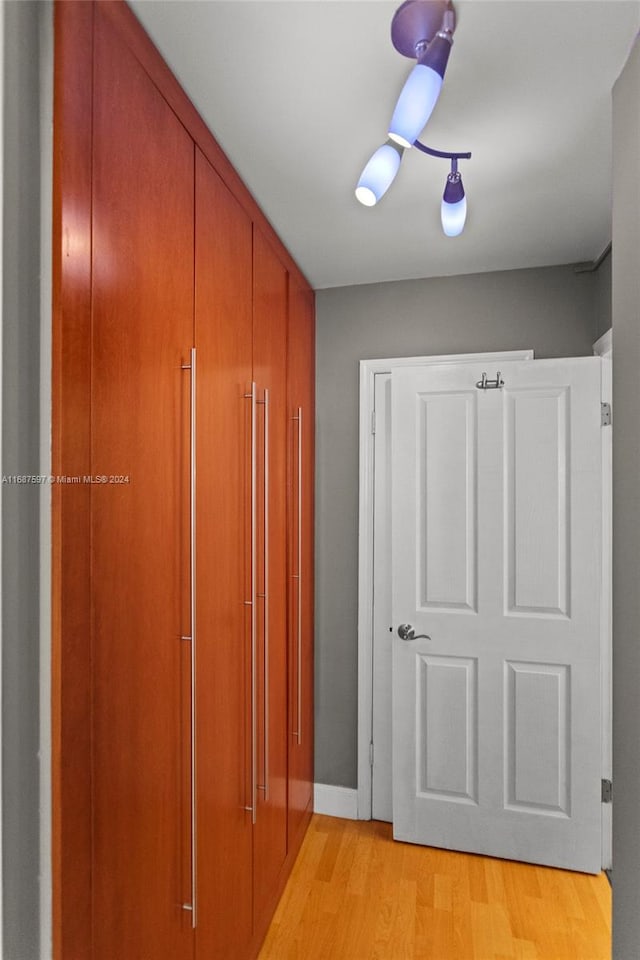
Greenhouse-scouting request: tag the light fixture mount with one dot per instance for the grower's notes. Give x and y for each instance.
(416, 22)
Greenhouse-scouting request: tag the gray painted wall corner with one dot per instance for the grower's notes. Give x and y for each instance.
(25, 384)
(626, 511)
(603, 296)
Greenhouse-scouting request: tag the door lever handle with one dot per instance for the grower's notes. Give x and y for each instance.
(406, 632)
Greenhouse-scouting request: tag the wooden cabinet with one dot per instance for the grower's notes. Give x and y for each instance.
(301, 427)
(223, 338)
(141, 332)
(270, 377)
(241, 678)
(195, 700)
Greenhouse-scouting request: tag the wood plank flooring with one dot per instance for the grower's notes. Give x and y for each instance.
(355, 894)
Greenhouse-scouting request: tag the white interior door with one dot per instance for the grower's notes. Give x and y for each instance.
(496, 545)
(375, 633)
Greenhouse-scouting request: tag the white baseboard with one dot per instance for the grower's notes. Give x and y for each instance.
(335, 801)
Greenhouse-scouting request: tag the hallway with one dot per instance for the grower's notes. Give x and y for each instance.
(354, 894)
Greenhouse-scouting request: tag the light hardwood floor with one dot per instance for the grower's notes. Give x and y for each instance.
(355, 894)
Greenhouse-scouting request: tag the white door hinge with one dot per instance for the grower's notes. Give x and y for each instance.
(605, 414)
(607, 791)
(371, 754)
(373, 422)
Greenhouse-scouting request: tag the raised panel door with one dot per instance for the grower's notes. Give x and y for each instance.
(142, 329)
(496, 510)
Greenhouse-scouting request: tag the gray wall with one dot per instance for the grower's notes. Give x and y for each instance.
(20, 504)
(626, 511)
(603, 296)
(551, 310)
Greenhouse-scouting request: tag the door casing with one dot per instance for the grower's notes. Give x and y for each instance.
(603, 348)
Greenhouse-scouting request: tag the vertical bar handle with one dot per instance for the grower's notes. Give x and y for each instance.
(298, 576)
(266, 593)
(193, 906)
(252, 808)
(194, 770)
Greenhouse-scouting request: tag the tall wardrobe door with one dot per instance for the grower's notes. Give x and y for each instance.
(223, 703)
(270, 371)
(301, 424)
(142, 328)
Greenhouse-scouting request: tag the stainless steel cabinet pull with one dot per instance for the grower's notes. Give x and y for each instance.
(266, 594)
(252, 807)
(298, 576)
(254, 589)
(406, 632)
(193, 906)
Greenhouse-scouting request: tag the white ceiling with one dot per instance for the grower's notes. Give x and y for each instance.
(299, 94)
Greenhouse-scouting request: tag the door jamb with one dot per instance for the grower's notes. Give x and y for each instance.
(368, 371)
(603, 348)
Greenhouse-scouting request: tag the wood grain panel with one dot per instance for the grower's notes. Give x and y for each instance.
(126, 361)
(355, 893)
(270, 372)
(143, 220)
(70, 503)
(224, 350)
(262, 925)
(301, 396)
(142, 47)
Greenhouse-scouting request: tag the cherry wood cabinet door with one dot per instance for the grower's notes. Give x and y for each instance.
(223, 339)
(142, 331)
(269, 374)
(301, 430)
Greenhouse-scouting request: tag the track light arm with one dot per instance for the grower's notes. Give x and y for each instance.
(441, 153)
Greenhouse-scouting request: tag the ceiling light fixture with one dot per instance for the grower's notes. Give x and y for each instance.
(379, 173)
(421, 30)
(453, 209)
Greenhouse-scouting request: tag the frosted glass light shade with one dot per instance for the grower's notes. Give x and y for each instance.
(415, 104)
(453, 209)
(453, 216)
(420, 93)
(379, 174)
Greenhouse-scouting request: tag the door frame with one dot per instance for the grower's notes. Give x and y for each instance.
(368, 371)
(603, 348)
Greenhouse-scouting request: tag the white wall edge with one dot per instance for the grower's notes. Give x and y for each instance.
(368, 371)
(2, 123)
(336, 801)
(603, 348)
